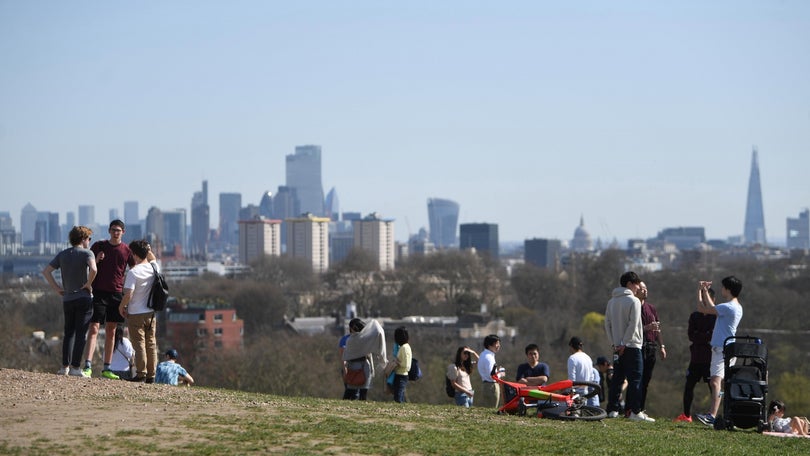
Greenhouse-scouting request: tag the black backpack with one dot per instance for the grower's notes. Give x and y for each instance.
(448, 388)
(159, 293)
(414, 373)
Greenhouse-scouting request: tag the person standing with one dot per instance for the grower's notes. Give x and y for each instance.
(459, 375)
(134, 307)
(728, 315)
(361, 361)
(112, 256)
(170, 372)
(532, 372)
(491, 395)
(404, 359)
(699, 332)
(653, 342)
(78, 265)
(624, 331)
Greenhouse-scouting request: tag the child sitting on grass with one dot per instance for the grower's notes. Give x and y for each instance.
(776, 418)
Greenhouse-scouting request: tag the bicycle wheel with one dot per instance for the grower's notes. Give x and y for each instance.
(583, 413)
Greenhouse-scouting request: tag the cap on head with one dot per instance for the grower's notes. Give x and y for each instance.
(171, 353)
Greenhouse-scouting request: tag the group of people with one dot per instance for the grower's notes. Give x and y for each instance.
(357, 350)
(97, 288)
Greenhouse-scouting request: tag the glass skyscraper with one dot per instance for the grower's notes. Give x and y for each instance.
(754, 232)
(304, 176)
(443, 219)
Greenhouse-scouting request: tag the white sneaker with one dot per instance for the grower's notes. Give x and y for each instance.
(77, 373)
(641, 416)
(63, 371)
(613, 414)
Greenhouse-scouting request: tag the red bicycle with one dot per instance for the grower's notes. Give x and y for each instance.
(563, 400)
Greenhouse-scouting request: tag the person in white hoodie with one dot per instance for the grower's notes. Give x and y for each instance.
(624, 331)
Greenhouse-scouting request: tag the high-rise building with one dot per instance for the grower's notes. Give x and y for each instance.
(443, 219)
(266, 205)
(332, 205)
(754, 232)
(229, 205)
(304, 175)
(87, 215)
(131, 214)
(376, 236)
(70, 222)
(543, 253)
(308, 238)
(174, 232)
(28, 222)
(114, 215)
(483, 237)
(154, 230)
(200, 223)
(798, 231)
(259, 237)
(285, 206)
(251, 211)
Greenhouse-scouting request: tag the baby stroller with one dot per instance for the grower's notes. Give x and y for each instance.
(745, 384)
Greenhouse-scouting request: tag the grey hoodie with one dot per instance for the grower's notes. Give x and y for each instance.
(623, 319)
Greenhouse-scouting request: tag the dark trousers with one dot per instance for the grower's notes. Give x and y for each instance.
(629, 366)
(78, 313)
(694, 374)
(400, 382)
(649, 353)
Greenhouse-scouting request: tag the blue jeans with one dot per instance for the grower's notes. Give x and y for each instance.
(629, 366)
(78, 313)
(463, 400)
(400, 382)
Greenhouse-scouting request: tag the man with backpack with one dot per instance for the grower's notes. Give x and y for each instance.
(135, 308)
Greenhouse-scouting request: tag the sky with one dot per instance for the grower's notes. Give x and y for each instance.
(634, 115)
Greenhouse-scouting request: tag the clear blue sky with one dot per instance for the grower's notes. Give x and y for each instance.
(637, 115)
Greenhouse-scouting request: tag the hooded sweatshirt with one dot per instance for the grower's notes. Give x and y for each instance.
(623, 319)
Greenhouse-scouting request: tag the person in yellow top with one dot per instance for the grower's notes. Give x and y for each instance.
(404, 357)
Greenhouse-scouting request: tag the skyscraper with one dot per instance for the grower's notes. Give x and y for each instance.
(28, 222)
(754, 232)
(376, 236)
(483, 237)
(332, 205)
(174, 231)
(131, 215)
(304, 175)
(798, 231)
(443, 219)
(87, 215)
(229, 205)
(200, 223)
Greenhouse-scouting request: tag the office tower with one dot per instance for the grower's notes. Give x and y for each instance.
(543, 253)
(443, 219)
(114, 216)
(420, 244)
(47, 229)
(70, 222)
(754, 232)
(258, 237)
(54, 230)
(266, 204)
(28, 221)
(229, 205)
(174, 232)
(249, 212)
(200, 223)
(582, 238)
(483, 237)
(131, 215)
(285, 206)
(308, 238)
(304, 175)
(332, 205)
(376, 236)
(154, 230)
(798, 231)
(5, 221)
(87, 215)
(684, 238)
(341, 242)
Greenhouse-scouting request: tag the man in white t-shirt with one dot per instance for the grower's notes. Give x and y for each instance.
(140, 318)
(729, 315)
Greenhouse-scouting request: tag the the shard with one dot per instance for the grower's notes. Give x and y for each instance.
(754, 232)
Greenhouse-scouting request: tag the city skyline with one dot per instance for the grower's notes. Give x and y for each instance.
(637, 117)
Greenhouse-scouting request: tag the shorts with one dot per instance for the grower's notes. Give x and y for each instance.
(716, 367)
(105, 307)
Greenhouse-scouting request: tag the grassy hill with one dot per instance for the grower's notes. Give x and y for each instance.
(47, 414)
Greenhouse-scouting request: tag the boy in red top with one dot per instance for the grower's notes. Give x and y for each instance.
(112, 257)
